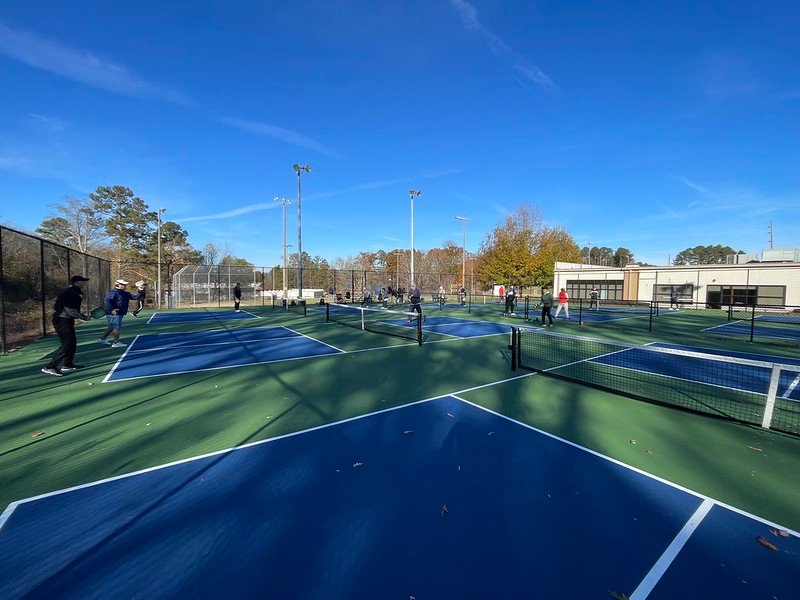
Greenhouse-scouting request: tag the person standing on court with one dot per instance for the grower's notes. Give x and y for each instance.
(563, 303)
(415, 298)
(66, 309)
(116, 305)
(140, 302)
(462, 296)
(594, 299)
(673, 299)
(511, 296)
(237, 297)
(547, 305)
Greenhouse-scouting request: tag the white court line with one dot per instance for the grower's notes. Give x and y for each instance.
(786, 395)
(247, 312)
(724, 325)
(179, 346)
(662, 564)
(11, 507)
(114, 368)
(151, 318)
(314, 339)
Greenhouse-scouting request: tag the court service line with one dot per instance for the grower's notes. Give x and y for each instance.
(313, 339)
(114, 368)
(151, 318)
(788, 393)
(662, 564)
(240, 342)
(724, 325)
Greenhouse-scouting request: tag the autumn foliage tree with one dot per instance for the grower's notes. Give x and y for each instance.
(522, 250)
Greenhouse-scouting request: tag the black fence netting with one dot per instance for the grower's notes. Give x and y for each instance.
(32, 273)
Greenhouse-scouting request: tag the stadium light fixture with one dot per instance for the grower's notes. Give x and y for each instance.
(158, 243)
(284, 202)
(413, 194)
(300, 169)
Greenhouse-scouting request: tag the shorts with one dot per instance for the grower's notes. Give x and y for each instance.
(114, 321)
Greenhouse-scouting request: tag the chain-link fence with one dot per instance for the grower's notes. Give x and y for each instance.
(32, 273)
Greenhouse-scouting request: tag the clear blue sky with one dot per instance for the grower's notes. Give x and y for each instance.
(655, 125)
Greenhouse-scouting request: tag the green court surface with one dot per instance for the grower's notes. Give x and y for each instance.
(61, 432)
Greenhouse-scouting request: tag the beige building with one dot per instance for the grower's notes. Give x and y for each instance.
(762, 283)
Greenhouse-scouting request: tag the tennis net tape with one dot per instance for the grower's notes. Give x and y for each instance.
(710, 381)
(406, 325)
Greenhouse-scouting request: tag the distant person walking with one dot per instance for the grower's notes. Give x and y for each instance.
(673, 299)
(237, 297)
(415, 298)
(442, 296)
(563, 303)
(594, 299)
(462, 296)
(116, 304)
(547, 305)
(66, 309)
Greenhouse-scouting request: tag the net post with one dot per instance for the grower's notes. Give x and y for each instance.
(305, 308)
(469, 306)
(513, 345)
(653, 307)
(580, 311)
(527, 308)
(769, 406)
(752, 322)
(419, 329)
(327, 312)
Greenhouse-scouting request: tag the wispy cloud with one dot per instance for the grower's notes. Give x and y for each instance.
(89, 69)
(81, 66)
(391, 239)
(237, 212)
(528, 70)
(279, 133)
(356, 188)
(696, 187)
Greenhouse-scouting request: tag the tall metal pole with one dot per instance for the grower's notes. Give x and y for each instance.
(299, 169)
(413, 194)
(463, 251)
(160, 211)
(284, 202)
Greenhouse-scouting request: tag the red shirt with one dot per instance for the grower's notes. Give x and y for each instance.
(562, 297)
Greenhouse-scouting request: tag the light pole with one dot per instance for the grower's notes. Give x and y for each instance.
(413, 194)
(158, 243)
(463, 251)
(299, 169)
(284, 202)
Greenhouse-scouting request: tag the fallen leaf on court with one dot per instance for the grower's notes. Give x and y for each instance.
(617, 596)
(147, 424)
(779, 532)
(756, 449)
(37, 434)
(767, 544)
(491, 433)
(648, 451)
(444, 510)
(449, 415)
(633, 441)
(408, 432)
(91, 383)
(358, 464)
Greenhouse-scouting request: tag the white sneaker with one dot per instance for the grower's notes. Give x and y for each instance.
(52, 371)
(118, 345)
(104, 342)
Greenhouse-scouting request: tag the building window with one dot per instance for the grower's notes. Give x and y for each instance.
(745, 295)
(582, 288)
(663, 293)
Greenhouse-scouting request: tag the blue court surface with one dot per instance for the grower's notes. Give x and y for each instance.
(749, 378)
(438, 499)
(463, 328)
(205, 316)
(742, 328)
(170, 353)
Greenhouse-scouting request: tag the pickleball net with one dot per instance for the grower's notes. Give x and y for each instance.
(761, 392)
(406, 325)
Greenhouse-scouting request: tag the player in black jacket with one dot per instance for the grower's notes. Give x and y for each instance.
(66, 309)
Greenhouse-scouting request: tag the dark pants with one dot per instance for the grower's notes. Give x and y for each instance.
(416, 307)
(593, 303)
(236, 302)
(509, 304)
(139, 306)
(546, 313)
(65, 328)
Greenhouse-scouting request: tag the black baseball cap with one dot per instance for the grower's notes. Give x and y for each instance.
(76, 278)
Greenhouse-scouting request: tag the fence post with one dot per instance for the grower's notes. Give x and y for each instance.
(513, 346)
(653, 307)
(2, 299)
(44, 299)
(752, 322)
(580, 311)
